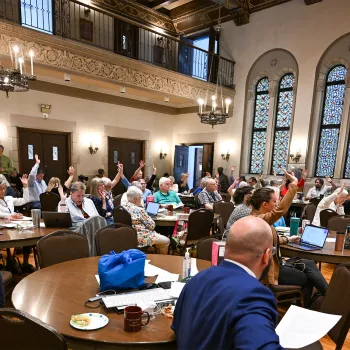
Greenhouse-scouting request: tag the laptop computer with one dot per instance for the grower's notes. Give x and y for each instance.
(54, 219)
(152, 209)
(313, 238)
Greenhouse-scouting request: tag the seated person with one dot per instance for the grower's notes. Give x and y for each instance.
(241, 310)
(223, 180)
(173, 186)
(274, 184)
(55, 183)
(209, 195)
(36, 185)
(145, 191)
(242, 208)
(15, 180)
(79, 207)
(334, 201)
(300, 184)
(100, 173)
(304, 273)
(182, 184)
(164, 195)
(9, 190)
(143, 223)
(98, 196)
(138, 175)
(7, 204)
(320, 189)
(199, 189)
(124, 199)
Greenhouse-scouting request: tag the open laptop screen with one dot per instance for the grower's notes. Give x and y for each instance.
(152, 208)
(314, 235)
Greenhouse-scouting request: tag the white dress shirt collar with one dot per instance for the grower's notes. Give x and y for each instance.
(245, 268)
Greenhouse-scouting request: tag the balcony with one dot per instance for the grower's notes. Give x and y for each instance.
(71, 19)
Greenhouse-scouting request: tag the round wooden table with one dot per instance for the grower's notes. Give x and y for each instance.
(12, 238)
(327, 254)
(55, 293)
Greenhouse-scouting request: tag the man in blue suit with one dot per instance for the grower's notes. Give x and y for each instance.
(226, 307)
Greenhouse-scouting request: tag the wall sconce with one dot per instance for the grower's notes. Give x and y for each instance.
(162, 155)
(225, 156)
(295, 158)
(93, 150)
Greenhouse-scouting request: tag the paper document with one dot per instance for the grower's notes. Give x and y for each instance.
(97, 279)
(167, 277)
(330, 240)
(194, 269)
(175, 290)
(151, 270)
(301, 327)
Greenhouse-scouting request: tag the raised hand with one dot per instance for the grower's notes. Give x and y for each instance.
(329, 179)
(24, 180)
(142, 163)
(233, 168)
(71, 171)
(207, 174)
(291, 177)
(304, 174)
(120, 167)
(154, 170)
(37, 160)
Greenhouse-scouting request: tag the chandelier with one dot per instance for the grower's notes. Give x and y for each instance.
(219, 109)
(14, 79)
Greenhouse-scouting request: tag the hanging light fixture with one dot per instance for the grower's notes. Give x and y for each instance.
(15, 79)
(219, 110)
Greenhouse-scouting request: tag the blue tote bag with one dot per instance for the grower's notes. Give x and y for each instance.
(122, 271)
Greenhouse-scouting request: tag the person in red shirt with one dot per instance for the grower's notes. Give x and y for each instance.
(138, 175)
(300, 184)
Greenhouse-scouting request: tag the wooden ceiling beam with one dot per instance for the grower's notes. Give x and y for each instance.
(157, 4)
(311, 2)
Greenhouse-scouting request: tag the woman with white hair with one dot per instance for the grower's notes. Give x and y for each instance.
(9, 190)
(7, 212)
(142, 222)
(173, 186)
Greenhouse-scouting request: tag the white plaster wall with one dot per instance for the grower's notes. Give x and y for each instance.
(90, 118)
(306, 32)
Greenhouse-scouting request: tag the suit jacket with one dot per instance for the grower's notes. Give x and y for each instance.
(224, 307)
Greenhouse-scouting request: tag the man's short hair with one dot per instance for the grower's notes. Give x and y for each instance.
(220, 169)
(77, 186)
(40, 171)
(163, 180)
(1, 146)
(320, 180)
(100, 171)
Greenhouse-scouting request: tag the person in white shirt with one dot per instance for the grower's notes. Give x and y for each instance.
(320, 189)
(79, 207)
(334, 201)
(36, 185)
(7, 204)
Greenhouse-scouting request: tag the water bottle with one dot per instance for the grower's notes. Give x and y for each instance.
(186, 268)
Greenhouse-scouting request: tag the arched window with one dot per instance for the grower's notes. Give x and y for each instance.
(284, 116)
(331, 121)
(261, 115)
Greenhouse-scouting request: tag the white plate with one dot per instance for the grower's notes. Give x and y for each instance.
(25, 218)
(97, 321)
(8, 225)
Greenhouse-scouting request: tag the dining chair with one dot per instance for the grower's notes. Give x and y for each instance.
(121, 215)
(117, 237)
(19, 331)
(309, 212)
(49, 201)
(61, 246)
(325, 215)
(117, 200)
(225, 209)
(336, 302)
(338, 223)
(8, 282)
(205, 247)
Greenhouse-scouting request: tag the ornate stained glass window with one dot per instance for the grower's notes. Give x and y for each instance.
(284, 116)
(331, 122)
(261, 115)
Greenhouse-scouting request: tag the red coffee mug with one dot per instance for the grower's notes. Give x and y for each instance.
(187, 210)
(170, 207)
(133, 318)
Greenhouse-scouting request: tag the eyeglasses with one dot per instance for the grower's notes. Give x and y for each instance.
(274, 250)
(143, 183)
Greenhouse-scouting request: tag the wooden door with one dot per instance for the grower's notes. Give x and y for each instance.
(185, 64)
(127, 152)
(53, 150)
(180, 161)
(126, 38)
(207, 160)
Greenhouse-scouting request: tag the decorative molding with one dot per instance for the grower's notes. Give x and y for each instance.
(241, 17)
(251, 94)
(273, 62)
(69, 55)
(347, 79)
(321, 85)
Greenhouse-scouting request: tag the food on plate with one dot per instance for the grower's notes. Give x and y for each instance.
(168, 311)
(81, 320)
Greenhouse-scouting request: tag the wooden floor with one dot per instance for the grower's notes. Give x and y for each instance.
(327, 271)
